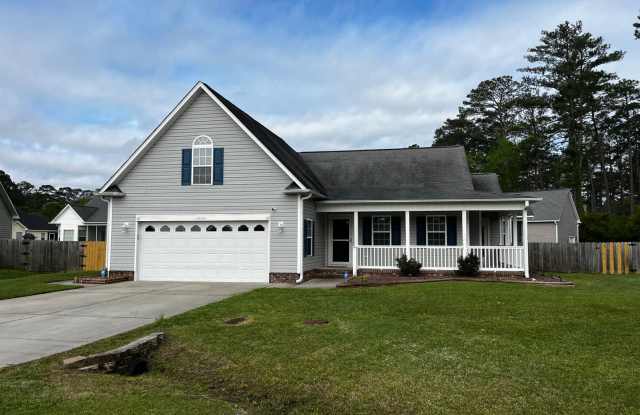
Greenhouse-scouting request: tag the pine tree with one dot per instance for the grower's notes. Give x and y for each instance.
(567, 63)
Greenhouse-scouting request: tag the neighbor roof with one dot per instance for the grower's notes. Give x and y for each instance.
(95, 211)
(486, 182)
(552, 204)
(36, 222)
(7, 201)
(397, 174)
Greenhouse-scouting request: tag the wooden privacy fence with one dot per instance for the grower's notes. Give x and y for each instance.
(40, 256)
(598, 257)
(95, 255)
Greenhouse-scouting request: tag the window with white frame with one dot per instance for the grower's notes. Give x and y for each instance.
(436, 230)
(309, 230)
(381, 230)
(202, 160)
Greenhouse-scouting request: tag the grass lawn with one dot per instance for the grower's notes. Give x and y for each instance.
(420, 348)
(17, 283)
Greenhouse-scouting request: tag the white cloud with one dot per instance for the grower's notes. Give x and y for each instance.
(82, 87)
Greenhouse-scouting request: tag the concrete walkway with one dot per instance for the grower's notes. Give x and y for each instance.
(42, 325)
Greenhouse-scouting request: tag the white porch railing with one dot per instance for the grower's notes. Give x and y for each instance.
(378, 257)
(436, 257)
(499, 258)
(492, 258)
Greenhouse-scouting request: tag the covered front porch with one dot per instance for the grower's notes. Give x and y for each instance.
(371, 236)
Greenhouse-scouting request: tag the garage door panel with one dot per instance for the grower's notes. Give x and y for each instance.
(204, 256)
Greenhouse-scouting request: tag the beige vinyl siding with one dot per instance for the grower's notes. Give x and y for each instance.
(5, 221)
(542, 232)
(253, 183)
(568, 223)
(319, 244)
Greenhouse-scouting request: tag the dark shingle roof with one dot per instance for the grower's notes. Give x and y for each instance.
(552, 204)
(36, 222)
(4, 196)
(486, 182)
(396, 174)
(94, 211)
(276, 145)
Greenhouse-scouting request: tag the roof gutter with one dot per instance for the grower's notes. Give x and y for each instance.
(523, 199)
(305, 192)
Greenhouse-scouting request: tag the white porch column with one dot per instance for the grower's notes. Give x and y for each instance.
(465, 234)
(356, 242)
(525, 240)
(407, 229)
(514, 230)
(480, 241)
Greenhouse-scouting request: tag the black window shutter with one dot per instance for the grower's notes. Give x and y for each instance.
(421, 230)
(396, 230)
(452, 230)
(186, 167)
(218, 166)
(366, 230)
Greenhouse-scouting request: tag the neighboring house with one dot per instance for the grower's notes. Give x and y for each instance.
(554, 218)
(83, 222)
(36, 225)
(213, 195)
(8, 214)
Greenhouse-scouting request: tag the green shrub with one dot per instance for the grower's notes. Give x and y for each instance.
(469, 266)
(408, 266)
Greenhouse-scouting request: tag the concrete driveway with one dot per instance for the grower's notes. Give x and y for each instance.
(42, 325)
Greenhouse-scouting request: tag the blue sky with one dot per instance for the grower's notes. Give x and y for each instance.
(83, 84)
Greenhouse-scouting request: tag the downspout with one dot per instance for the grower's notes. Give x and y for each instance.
(300, 266)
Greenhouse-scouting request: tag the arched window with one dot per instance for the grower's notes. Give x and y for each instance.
(243, 228)
(258, 228)
(227, 228)
(180, 228)
(202, 160)
(211, 228)
(195, 228)
(149, 229)
(165, 228)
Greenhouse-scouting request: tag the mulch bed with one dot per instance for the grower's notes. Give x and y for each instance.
(374, 280)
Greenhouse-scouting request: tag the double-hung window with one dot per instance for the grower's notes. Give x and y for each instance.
(309, 230)
(202, 160)
(436, 230)
(381, 230)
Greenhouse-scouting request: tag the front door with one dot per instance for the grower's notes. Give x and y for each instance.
(340, 241)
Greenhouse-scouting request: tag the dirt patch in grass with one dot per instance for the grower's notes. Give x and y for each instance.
(316, 322)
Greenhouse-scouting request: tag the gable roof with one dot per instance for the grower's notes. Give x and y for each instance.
(552, 204)
(36, 222)
(7, 202)
(95, 211)
(437, 173)
(283, 151)
(486, 182)
(275, 147)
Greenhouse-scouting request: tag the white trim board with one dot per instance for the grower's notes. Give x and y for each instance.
(223, 217)
(146, 144)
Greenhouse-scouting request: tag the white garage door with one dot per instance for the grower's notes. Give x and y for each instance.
(203, 251)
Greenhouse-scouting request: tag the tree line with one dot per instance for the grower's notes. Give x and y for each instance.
(568, 121)
(46, 200)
